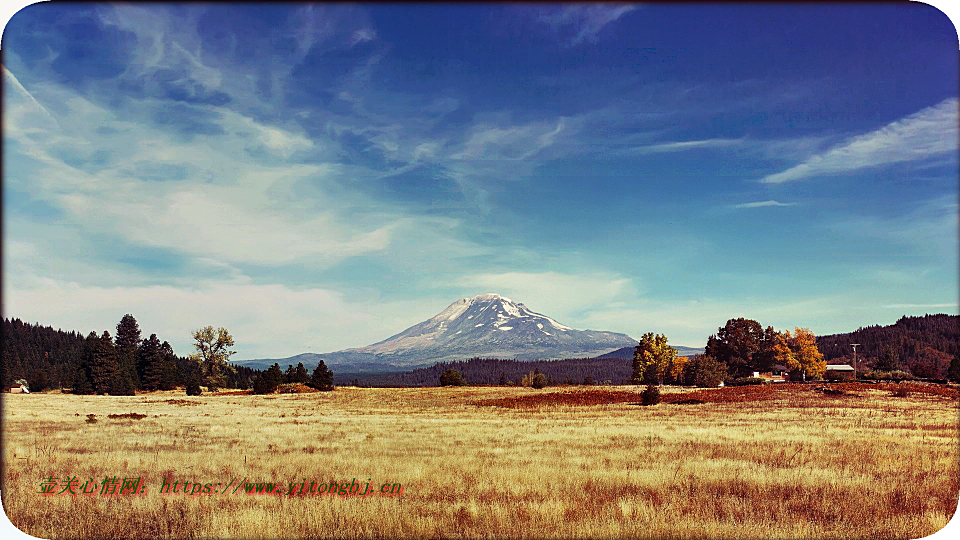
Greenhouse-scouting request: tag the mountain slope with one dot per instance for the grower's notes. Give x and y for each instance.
(487, 325)
(627, 352)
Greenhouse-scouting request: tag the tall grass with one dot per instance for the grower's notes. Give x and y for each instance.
(804, 465)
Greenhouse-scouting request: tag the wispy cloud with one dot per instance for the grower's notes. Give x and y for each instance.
(678, 146)
(584, 22)
(761, 204)
(919, 306)
(929, 132)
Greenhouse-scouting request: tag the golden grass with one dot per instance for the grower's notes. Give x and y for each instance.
(803, 465)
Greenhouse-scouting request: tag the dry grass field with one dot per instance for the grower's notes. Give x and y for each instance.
(793, 464)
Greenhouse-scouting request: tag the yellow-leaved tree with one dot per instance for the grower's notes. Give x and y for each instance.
(799, 353)
(213, 351)
(652, 358)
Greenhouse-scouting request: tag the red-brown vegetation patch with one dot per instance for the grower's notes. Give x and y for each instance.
(930, 389)
(729, 394)
(182, 402)
(235, 393)
(295, 388)
(126, 416)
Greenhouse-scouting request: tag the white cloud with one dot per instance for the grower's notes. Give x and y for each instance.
(953, 306)
(487, 142)
(687, 145)
(584, 21)
(267, 320)
(930, 132)
(760, 204)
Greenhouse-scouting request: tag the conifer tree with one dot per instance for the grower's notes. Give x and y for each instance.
(103, 364)
(127, 349)
(322, 378)
(151, 364)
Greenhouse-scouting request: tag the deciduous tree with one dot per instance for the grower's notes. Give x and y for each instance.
(213, 351)
(743, 346)
(799, 353)
(452, 377)
(704, 371)
(651, 359)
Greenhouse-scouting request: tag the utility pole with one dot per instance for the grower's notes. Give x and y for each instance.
(854, 345)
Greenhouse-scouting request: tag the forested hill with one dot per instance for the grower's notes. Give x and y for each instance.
(909, 338)
(40, 354)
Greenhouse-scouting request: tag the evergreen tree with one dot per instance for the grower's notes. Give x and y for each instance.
(269, 380)
(81, 384)
(103, 364)
(170, 376)
(151, 364)
(128, 352)
(322, 378)
(888, 360)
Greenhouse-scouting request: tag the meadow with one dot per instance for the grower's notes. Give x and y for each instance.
(493, 462)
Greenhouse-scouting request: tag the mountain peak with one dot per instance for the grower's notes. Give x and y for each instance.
(489, 325)
(488, 297)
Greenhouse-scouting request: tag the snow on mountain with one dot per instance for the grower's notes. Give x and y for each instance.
(487, 325)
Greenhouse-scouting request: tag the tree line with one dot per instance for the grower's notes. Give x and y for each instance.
(125, 362)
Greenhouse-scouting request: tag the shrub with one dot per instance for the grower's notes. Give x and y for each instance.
(888, 375)
(901, 391)
(193, 388)
(539, 381)
(452, 377)
(650, 396)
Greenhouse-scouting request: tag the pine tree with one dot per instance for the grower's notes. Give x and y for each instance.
(151, 364)
(888, 360)
(300, 374)
(170, 371)
(127, 349)
(269, 380)
(322, 378)
(103, 364)
(81, 384)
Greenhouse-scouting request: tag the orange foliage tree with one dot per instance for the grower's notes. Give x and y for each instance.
(799, 352)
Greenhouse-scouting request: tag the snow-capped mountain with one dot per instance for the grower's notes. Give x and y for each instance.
(488, 325)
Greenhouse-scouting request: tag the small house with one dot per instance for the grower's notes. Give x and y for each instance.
(839, 371)
(19, 389)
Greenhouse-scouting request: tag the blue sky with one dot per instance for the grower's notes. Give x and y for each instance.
(321, 177)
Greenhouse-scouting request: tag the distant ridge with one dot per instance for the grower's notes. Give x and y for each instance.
(627, 352)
